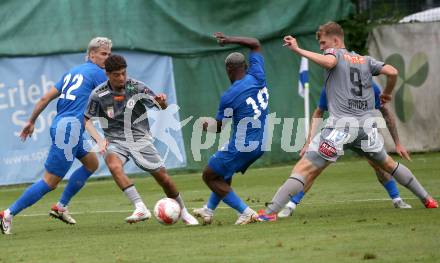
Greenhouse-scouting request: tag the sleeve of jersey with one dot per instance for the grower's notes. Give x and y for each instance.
(93, 107)
(323, 100)
(331, 51)
(376, 96)
(375, 66)
(149, 102)
(256, 66)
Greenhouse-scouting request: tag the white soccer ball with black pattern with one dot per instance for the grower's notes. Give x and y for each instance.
(167, 211)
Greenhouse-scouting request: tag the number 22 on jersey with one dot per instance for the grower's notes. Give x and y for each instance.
(263, 101)
(72, 84)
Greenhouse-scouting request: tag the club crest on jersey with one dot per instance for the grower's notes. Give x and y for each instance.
(129, 88)
(327, 149)
(110, 112)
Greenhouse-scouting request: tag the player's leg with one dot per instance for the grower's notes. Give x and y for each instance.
(405, 177)
(221, 187)
(207, 211)
(320, 154)
(148, 159)
(390, 186)
(29, 197)
(164, 180)
(295, 200)
(56, 166)
(76, 182)
(115, 160)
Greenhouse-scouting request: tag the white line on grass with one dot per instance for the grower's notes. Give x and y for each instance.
(224, 207)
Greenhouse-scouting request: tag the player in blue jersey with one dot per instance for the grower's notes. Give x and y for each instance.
(72, 91)
(383, 177)
(246, 102)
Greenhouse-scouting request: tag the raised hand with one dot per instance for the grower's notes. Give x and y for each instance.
(161, 99)
(291, 43)
(221, 38)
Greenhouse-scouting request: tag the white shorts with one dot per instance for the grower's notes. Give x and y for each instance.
(330, 143)
(143, 153)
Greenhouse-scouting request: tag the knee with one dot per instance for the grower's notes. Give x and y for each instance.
(389, 165)
(114, 167)
(92, 166)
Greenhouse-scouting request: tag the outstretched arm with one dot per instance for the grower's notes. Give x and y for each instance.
(28, 129)
(326, 61)
(391, 75)
(249, 42)
(391, 125)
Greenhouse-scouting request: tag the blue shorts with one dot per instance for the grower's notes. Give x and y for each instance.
(226, 164)
(59, 160)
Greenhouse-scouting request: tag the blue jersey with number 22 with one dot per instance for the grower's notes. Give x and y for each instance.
(75, 87)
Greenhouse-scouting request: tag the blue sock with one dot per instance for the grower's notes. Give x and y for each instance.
(213, 201)
(76, 182)
(235, 202)
(30, 196)
(298, 197)
(391, 188)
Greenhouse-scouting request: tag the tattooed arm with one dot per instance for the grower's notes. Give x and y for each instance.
(391, 125)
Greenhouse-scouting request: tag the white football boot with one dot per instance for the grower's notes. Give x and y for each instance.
(187, 218)
(61, 214)
(399, 203)
(205, 214)
(248, 216)
(5, 223)
(139, 214)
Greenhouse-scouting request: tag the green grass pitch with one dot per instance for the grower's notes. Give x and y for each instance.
(346, 217)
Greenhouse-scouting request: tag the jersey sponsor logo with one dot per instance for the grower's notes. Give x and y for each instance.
(327, 149)
(358, 104)
(118, 98)
(354, 59)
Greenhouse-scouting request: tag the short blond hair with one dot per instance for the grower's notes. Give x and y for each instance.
(98, 42)
(330, 29)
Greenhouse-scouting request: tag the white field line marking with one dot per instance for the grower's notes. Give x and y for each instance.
(225, 207)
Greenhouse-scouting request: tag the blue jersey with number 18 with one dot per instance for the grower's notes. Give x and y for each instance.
(247, 101)
(75, 87)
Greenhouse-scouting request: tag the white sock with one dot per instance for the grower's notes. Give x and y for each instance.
(179, 200)
(397, 199)
(8, 215)
(248, 211)
(140, 205)
(133, 195)
(61, 206)
(291, 205)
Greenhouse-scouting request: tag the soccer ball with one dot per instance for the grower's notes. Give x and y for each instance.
(167, 211)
